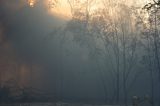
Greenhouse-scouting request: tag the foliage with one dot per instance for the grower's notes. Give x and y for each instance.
(152, 5)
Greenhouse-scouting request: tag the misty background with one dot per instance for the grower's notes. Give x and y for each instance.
(103, 56)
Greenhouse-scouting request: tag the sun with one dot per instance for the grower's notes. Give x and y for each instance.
(31, 3)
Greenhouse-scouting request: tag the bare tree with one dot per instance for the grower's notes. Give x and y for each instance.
(153, 10)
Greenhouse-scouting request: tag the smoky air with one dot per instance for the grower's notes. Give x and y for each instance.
(79, 53)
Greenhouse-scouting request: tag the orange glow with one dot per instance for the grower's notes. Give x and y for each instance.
(58, 8)
(62, 8)
(31, 3)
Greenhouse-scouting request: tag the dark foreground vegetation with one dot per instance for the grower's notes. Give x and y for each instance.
(24, 95)
(33, 97)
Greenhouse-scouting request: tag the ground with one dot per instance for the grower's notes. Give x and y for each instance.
(53, 104)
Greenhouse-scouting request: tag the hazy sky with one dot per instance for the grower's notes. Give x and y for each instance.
(25, 34)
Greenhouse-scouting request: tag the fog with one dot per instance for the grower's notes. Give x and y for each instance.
(106, 56)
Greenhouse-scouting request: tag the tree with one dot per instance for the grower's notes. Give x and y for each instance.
(153, 10)
(121, 41)
(118, 39)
